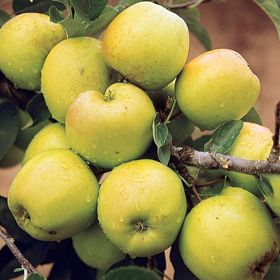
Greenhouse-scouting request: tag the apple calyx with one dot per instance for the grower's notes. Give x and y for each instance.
(259, 267)
(108, 96)
(141, 226)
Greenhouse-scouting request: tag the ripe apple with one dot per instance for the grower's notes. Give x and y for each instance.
(254, 143)
(51, 136)
(54, 195)
(115, 127)
(95, 249)
(141, 207)
(229, 236)
(26, 40)
(73, 66)
(216, 87)
(147, 44)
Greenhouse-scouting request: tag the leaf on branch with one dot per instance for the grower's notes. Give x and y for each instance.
(4, 17)
(88, 9)
(9, 125)
(191, 17)
(39, 6)
(74, 28)
(224, 137)
(212, 190)
(272, 9)
(56, 15)
(253, 117)
(162, 139)
(265, 186)
(131, 272)
(99, 24)
(35, 276)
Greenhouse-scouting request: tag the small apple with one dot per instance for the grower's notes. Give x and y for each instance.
(229, 236)
(51, 136)
(141, 207)
(95, 249)
(54, 195)
(26, 40)
(73, 66)
(216, 87)
(115, 127)
(147, 44)
(254, 143)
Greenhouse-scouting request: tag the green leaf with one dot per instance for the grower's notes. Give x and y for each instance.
(164, 152)
(265, 186)
(271, 8)
(191, 17)
(212, 190)
(39, 6)
(74, 28)
(4, 17)
(199, 143)
(131, 272)
(26, 120)
(35, 276)
(56, 16)
(253, 117)
(88, 9)
(274, 271)
(99, 24)
(224, 137)
(19, 269)
(37, 109)
(161, 134)
(9, 126)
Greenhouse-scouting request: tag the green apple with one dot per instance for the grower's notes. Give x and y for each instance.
(54, 195)
(254, 143)
(110, 129)
(141, 207)
(147, 44)
(25, 41)
(73, 66)
(95, 249)
(51, 136)
(229, 236)
(216, 87)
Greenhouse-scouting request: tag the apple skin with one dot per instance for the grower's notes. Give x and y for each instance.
(26, 40)
(141, 207)
(115, 127)
(51, 136)
(54, 195)
(254, 143)
(73, 66)
(228, 236)
(216, 87)
(140, 42)
(95, 249)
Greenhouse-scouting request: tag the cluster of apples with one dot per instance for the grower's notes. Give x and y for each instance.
(140, 207)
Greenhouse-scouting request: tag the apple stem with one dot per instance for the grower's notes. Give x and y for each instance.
(187, 4)
(188, 155)
(16, 252)
(274, 155)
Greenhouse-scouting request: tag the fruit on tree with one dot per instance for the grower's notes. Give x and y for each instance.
(54, 195)
(141, 207)
(147, 44)
(254, 143)
(116, 127)
(25, 41)
(73, 66)
(229, 236)
(216, 87)
(95, 249)
(51, 136)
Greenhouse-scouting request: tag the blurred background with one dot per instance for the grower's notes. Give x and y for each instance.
(236, 24)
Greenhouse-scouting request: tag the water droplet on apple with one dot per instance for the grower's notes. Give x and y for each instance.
(121, 219)
(10, 63)
(222, 105)
(88, 199)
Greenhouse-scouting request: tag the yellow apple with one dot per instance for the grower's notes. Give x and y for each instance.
(54, 195)
(51, 136)
(230, 236)
(95, 249)
(254, 143)
(147, 44)
(25, 41)
(216, 87)
(73, 66)
(112, 128)
(141, 207)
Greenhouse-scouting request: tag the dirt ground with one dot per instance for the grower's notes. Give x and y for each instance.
(239, 25)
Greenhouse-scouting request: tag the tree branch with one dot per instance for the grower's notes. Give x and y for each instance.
(188, 155)
(274, 155)
(184, 5)
(16, 252)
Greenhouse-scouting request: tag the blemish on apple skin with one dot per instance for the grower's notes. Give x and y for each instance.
(52, 232)
(82, 71)
(258, 267)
